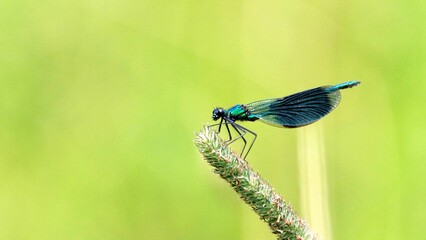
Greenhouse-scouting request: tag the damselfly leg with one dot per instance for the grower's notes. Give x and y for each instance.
(240, 130)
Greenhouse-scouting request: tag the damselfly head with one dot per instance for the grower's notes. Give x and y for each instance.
(218, 113)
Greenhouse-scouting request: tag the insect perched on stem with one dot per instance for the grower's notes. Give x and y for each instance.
(292, 111)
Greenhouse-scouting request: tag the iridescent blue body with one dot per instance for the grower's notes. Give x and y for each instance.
(292, 111)
(241, 113)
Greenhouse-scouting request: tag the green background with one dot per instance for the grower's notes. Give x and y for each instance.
(100, 102)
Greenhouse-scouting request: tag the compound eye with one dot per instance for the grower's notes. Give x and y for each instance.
(217, 113)
(214, 114)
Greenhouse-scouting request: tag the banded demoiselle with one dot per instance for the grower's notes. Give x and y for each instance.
(297, 110)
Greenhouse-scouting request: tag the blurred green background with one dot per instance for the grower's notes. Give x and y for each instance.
(100, 102)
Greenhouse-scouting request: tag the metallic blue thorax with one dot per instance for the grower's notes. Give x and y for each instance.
(241, 113)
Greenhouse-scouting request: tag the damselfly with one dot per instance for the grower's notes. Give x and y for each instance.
(293, 111)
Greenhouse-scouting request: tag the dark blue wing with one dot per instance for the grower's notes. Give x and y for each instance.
(299, 109)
